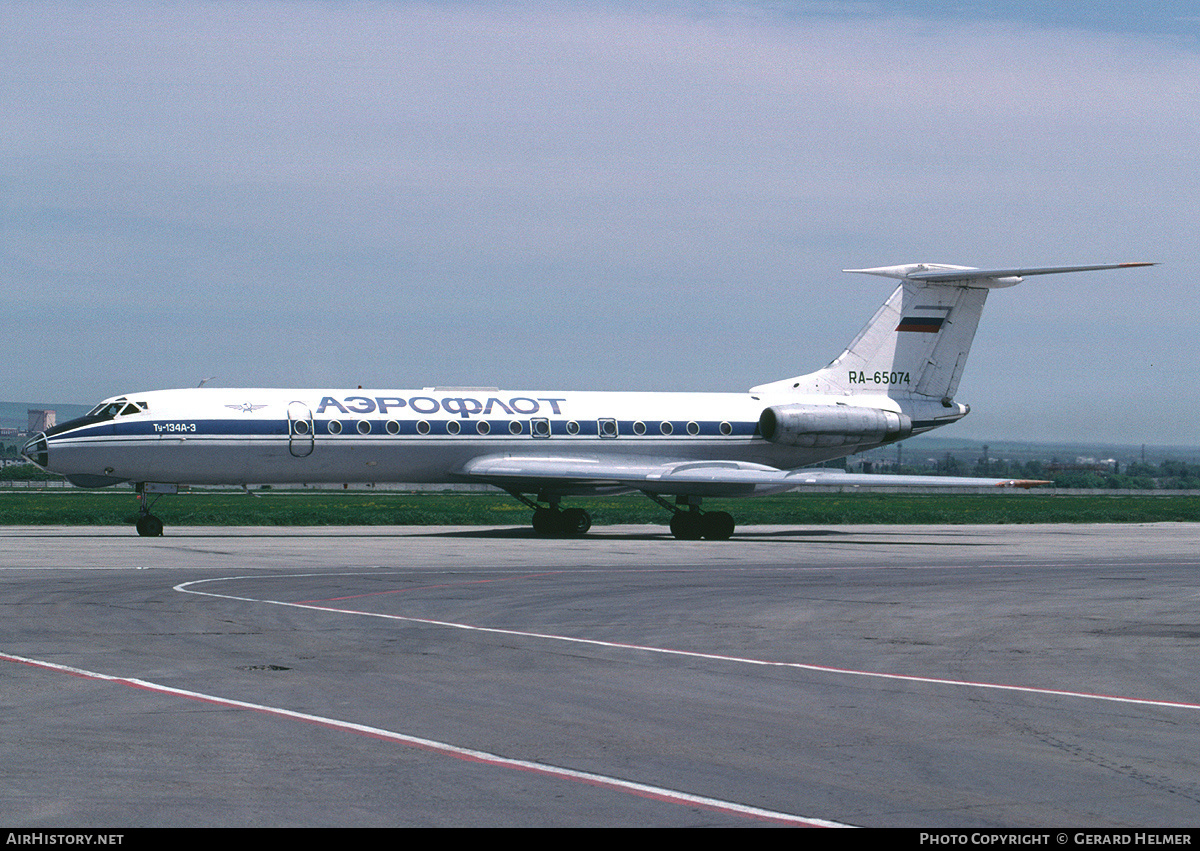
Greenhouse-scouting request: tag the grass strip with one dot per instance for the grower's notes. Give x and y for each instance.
(283, 508)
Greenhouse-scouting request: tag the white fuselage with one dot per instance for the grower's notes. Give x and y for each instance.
(241, 436)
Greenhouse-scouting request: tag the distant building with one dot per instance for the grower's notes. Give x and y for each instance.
(40, 420)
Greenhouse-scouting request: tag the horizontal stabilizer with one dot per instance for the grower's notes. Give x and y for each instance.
(933, 273)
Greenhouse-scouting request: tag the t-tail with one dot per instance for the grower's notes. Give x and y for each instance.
(916, 345)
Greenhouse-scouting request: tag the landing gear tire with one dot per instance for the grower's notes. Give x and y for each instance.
(546, 521)
(694, 525)
(149, 526)
(550, 521)
(576, 521)
(687, 525)
(717, 525)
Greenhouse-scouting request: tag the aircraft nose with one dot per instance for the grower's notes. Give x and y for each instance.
(35, 450)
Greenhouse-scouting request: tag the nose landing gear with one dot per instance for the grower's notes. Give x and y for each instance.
(149, 526)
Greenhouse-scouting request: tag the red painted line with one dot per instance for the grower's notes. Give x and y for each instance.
(642, 790)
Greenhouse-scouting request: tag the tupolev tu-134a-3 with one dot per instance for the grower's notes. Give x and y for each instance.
(896, 379)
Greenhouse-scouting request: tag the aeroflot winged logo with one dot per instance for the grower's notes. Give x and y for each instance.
(246, 407)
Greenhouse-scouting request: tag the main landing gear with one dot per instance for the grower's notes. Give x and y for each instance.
(149, 526)
(694, 524)
(689, 523)
(552, 520)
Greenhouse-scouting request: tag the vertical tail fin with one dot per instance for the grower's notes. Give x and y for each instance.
(918, 341)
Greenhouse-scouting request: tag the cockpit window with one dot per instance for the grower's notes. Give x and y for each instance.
(116, 408)
(109, 409)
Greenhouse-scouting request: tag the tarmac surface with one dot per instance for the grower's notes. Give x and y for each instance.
(916, 676)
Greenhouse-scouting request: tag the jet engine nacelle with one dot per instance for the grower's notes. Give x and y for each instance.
(831, 425)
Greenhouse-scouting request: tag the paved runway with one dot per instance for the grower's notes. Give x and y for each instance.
(934, 676)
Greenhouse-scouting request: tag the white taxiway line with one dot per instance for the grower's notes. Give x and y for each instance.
(803, 666)
(643, 790)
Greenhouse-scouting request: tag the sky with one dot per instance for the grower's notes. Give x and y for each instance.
(599, 195)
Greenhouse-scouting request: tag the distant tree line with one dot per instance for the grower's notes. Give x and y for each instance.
(25, 473)
(1168, 475)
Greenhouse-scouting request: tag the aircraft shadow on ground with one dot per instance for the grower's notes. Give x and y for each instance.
(865, 537)
(782, 536)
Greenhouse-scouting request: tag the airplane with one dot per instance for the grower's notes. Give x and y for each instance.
(898, 378)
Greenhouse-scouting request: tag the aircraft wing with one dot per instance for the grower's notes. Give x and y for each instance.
(688, 478)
